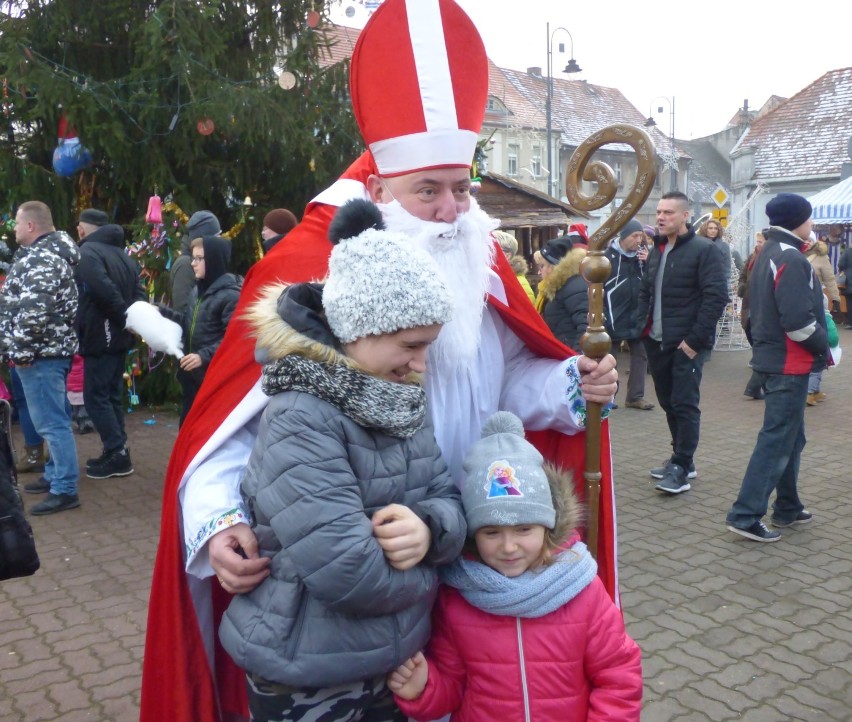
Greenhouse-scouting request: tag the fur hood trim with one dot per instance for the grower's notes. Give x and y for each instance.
(820, 248)
(277, 339)
(519, 265)
(569, 511)
(568, 267)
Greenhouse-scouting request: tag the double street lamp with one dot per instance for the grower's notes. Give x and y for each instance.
(571, 67)
(671, 158)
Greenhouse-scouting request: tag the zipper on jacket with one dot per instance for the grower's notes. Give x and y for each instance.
(523, 673)
(192, 324)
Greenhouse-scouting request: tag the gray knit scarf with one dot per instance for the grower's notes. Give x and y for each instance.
(532, 594)
(393, 408)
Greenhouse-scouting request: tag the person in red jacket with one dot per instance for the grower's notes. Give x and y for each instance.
(523, 627)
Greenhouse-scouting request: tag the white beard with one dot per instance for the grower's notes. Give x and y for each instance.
(464, 252)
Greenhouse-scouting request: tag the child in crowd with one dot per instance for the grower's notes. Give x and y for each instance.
(523, 628)
(345, 487)
(205, 320)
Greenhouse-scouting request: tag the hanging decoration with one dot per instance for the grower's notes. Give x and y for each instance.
(205, 126)
(287, 80)
(70, 156)
(154, 215)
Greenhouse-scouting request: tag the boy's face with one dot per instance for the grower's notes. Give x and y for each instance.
(393, 356)
(197, 261)
(510, 550)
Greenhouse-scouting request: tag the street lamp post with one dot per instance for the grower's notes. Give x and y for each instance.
(672, 157)
(571, 67)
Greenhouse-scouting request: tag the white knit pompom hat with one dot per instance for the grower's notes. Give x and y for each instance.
(379, 282)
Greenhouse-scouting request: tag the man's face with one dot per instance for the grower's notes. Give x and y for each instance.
(671, 217)
(24, 230)
(631, 243)
(804, 231)
(267, 233)
(438, 195)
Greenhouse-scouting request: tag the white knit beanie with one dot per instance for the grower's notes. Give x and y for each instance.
(379, 282)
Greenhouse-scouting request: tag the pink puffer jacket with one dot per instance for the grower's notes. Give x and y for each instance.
(576, 664)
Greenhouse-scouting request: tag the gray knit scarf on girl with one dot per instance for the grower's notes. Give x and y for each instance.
(532, 594)
(395, 409)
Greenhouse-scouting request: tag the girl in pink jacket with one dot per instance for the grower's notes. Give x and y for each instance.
(523, 629)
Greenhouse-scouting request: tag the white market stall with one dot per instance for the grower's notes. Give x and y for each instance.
(834, 204)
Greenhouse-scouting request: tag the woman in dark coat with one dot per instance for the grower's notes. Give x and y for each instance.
(563, 299)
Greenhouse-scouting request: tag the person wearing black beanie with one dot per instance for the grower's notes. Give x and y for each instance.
(204, 321)
(790, 341)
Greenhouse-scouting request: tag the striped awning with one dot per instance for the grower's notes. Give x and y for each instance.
(834, 204)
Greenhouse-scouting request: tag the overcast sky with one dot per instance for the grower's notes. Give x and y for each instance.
(708, 56)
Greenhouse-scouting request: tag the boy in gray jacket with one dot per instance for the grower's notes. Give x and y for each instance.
(347, 489)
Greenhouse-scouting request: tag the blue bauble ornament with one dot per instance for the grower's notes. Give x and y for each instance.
(70, 156)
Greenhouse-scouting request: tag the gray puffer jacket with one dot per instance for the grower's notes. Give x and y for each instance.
(335, 445)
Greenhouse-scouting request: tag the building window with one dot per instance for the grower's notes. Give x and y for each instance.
(619, 177)
(512, 165)
(535, 164)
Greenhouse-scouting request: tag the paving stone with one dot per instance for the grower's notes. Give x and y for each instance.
(730, 629)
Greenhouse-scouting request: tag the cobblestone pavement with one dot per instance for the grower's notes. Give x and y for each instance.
(730, 629)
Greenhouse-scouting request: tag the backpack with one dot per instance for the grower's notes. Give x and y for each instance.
(18, 556)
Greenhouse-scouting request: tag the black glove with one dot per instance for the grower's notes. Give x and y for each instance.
(835, 306)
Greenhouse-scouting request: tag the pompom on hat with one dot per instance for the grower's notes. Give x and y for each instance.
(505, 484)
(379, 282)
(419, 85)
(788, 210)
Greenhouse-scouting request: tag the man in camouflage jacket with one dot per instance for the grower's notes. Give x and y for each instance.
(38, 307)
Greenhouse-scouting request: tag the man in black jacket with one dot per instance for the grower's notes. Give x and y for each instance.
(628, 254)
(683, 295)
(108, 282)
(788, 328)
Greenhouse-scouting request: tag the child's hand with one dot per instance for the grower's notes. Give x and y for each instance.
(402, 535)
(409, 679)
(190, 362)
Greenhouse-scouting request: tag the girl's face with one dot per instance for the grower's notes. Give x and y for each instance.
(712, 229)
(393, 356)
(510, 550)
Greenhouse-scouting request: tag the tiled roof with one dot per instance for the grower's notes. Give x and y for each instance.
(580, 108)
(341, 43)
(522, 113)
(807, 135)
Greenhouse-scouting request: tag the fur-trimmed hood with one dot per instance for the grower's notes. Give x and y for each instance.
(277, 338)
(519, 265)
(569, 512)
(820, 248)
(568, 267)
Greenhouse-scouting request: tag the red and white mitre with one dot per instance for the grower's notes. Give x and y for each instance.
(419, 84)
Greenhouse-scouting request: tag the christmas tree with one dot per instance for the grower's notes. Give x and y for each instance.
(204, 103)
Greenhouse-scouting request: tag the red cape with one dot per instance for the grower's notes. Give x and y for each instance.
(177, 683)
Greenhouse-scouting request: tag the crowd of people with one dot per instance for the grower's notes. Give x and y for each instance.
(62, 310)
